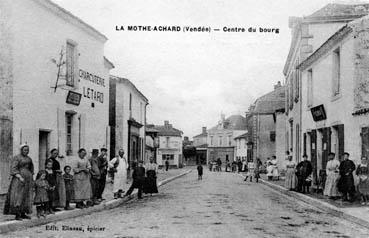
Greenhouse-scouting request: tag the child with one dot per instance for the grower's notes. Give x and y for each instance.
(69, 189)
(362, 172)
(250, 171)
(41, 195)
(199, 171)
(51, 179)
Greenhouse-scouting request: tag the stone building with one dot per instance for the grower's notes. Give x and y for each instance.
(54, 88)
(335, 97)
(221, 142)
(241, 147)
(262, 122)
(201, 145)
(308, 34)
(170, 145)
(127, 119)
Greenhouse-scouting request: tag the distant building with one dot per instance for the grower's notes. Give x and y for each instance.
(200, 142)
(221, 142)
(262, 122)
(170, 145)
(241, 147)
(127, 119)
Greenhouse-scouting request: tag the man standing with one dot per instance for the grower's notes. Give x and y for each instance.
(167, 165)
(138, 177)
(303, 171)
(346, 183)
(95, 175)
(120, 165)
(103, 167)
(219, 165)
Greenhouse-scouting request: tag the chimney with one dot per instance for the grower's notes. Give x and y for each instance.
(278, 85)
(166, 124)
(204, 129)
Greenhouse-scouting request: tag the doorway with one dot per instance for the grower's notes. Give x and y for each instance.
(43, 148)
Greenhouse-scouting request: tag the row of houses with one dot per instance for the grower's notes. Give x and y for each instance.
(56, 91)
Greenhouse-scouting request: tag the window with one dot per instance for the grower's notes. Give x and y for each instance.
(245, 144)
(166, 157)
(272, 136)
(336, 72)
(167, 142)
(310, 88)
(220, 140)
(71, 64)
(230, 140)
(69, 130)
(211, 140)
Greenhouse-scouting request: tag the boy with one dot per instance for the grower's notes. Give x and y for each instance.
(138, 176)
(199, 171)
(69, 189)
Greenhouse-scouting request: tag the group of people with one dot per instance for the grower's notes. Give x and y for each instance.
(339, 180)
(54, 189)
(272, 168)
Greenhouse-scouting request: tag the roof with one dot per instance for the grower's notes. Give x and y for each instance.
(201, 135)
(129, 83)
(336, 11)
(245, 135)
(61, 12)
(109, 63)
(234, 122)
(331, 12)
(270, 102)
(167, 131)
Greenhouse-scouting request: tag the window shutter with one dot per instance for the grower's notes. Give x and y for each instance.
(61, 137)
(341, 140)
(365, 141)
(313, 153)
(82, 129)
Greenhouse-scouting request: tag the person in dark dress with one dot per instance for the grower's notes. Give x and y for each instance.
(59, 196)
(103, 167)
(151, 171)
(346, 182)
(95, 176)
(167, 165)
(51, 179)
(303, 171)
(239, 165)
(258, 164)
(69, 187)
(19, 197)
(219, 165)
(138, 177)
(199, 171)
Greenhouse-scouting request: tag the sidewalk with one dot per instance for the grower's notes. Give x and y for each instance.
(354, 212)
(7, 222)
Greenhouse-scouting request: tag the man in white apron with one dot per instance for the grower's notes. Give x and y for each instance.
(120, 178)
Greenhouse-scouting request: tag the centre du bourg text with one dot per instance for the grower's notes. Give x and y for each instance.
(196, 29)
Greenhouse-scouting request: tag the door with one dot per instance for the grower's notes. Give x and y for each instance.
(6, 152)
(326, 146)
(43, 142)
(341, 140)
(313, 153)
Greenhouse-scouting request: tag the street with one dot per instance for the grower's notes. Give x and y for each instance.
(220, 205)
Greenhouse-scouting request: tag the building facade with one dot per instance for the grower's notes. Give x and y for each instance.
(221, 143)
(308, 34)
(55, 84)
(170, 145)
(201, 145)
(335, 99)
(262, 122)
(127, 118)
(241, 147)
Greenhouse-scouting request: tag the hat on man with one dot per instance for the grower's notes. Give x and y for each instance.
(104, 149)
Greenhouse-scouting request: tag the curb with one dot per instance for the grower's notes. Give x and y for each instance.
(324, 206)
(62, 215)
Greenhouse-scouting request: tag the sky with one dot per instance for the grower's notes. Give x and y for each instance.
(191, 78)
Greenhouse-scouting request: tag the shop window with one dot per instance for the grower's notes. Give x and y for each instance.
(272, 136)
(167, 157)
(71, 64)
(69, 131)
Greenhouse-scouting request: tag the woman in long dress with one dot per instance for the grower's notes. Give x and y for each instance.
(151, 171)
(333, 176)
(362, 172)
(120, 177)
(59, 192)
(291, 179)
(275, 168)
(82, 185)
(19, 198)
(269, 168)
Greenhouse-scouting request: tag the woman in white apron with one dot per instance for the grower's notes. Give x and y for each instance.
(120, 164)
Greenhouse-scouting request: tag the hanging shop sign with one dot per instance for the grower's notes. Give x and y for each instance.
(74, 98)
(318, 113)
